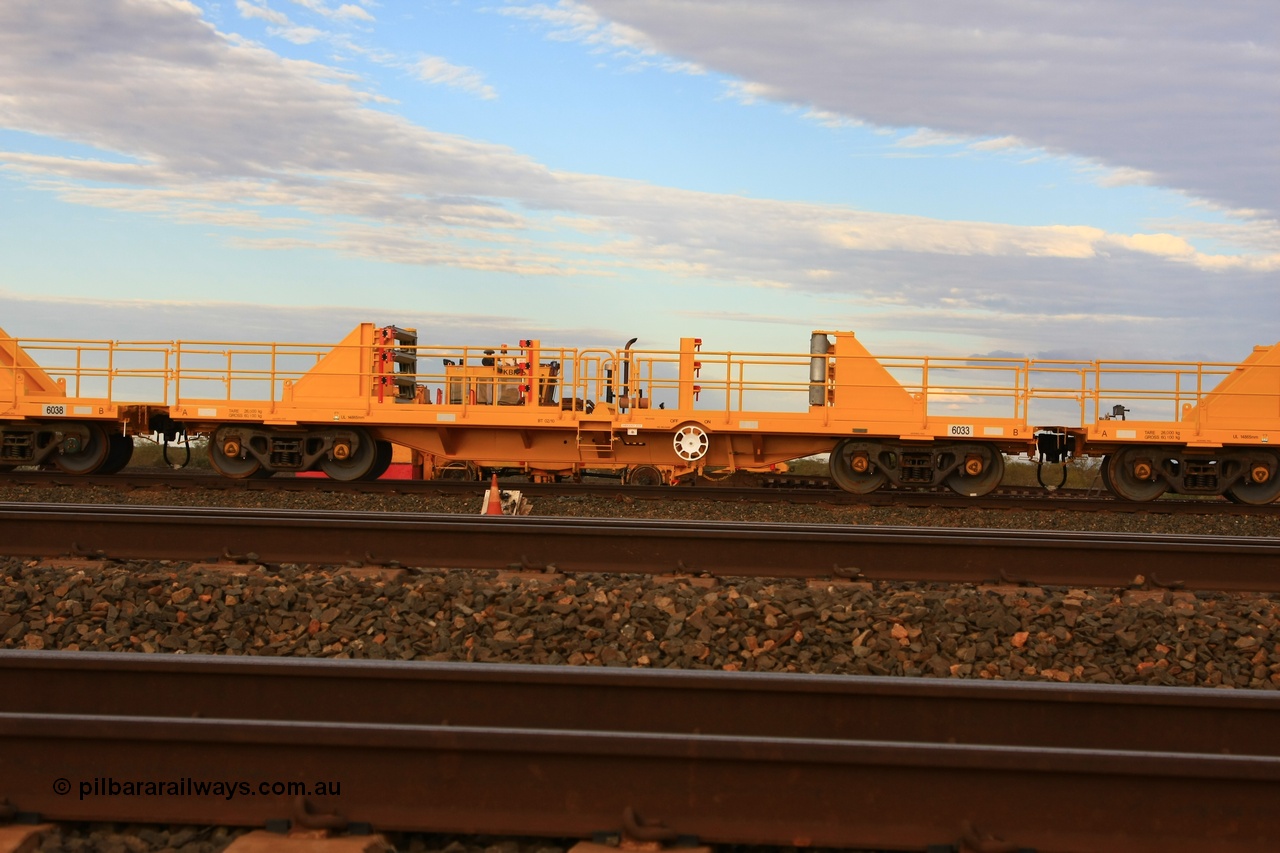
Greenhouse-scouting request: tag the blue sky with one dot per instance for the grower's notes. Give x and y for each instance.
(1081, 180)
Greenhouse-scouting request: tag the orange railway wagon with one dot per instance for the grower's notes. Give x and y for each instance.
(69, 412)
(658, 415)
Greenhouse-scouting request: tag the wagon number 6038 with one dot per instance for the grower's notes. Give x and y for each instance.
(960, 429)
(51, 410)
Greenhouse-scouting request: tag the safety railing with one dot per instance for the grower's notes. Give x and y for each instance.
(1029, 390)
(119, 371)
(242, 371)
(984, 387)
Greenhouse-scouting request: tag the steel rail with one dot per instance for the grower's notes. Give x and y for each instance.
(754, 704)
(822, 779)
(1022, 498)
(640, 546)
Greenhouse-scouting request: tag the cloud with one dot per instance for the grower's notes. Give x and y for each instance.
(261, 11)
(353, 13)
(434, 69)
(208, 320)
(306, 163)
(569, 20)
(1181, 94)
(1002, 143)
(927, 138)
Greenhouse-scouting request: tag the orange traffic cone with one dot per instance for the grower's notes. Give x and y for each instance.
(495, 498)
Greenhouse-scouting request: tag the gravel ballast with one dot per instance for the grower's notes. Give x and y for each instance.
(844, 628)
(1103, 636)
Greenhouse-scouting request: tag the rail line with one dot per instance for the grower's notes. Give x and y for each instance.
(655, 755)
(1020, 498)
(812, 551)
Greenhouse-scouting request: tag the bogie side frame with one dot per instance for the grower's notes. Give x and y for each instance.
(648, 416)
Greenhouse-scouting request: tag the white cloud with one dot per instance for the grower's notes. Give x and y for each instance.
(569, 20)
(925, 138)
(353, 13)
(299, 35)
(436, 70)
(1180, 93)
(747, 93)
(1002, 143)
(261, 11)
(305, 163)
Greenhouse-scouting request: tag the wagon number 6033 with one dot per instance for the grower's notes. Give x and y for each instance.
(960, 429)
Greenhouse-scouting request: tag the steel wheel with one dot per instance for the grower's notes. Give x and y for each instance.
(1105, 473)
(1132, 474)
(230, 458)
(981, 469)
(645, 475)
(89, 457)
(362, 455)
(384, 453)
(854, 469)
(1250, 491)
(119, 452)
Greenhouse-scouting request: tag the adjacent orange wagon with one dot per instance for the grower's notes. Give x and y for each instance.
(650, 416)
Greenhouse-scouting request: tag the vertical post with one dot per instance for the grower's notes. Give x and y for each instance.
(177, 371)
(111, 369)
(688, 351)
(1084, 398)
(924, 392)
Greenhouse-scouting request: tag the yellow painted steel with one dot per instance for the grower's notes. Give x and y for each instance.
(82, 380)
(549, 409)
(464, 397)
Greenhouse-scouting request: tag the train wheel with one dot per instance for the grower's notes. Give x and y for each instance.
(1261, 484)
(691, 442)
(981, 469)
(1105, 473)
(89, 457)
(229, 457)
(383, 451)
(853, 469)
(119, 452)
(359, 459)
(645, 475)
(1131, 474)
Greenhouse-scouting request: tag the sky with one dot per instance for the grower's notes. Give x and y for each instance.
(1043, 179)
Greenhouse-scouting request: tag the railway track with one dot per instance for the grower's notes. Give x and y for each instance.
(577, 752)
(816, 551)
(815, 490)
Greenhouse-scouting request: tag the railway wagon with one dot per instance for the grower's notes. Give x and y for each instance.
(69, 412)
(655, 415)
